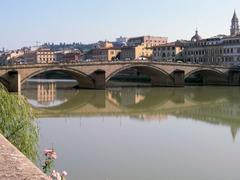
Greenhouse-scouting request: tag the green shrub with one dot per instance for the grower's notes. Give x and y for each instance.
(17, 123)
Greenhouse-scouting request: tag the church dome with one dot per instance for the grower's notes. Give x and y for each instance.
(196, 37)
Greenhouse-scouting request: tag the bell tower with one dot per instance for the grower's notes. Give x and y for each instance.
(234, 25)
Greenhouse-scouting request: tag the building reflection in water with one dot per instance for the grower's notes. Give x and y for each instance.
(46, 93)
(219, 106)
(126, 97)
(213, 105)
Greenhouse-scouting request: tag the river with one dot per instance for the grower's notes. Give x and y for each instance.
(139, 133)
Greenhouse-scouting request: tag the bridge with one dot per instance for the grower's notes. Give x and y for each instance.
(95, 75)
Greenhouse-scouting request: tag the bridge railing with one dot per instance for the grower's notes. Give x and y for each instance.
(136, 61)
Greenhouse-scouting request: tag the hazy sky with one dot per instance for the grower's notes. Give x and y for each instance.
(26, 21)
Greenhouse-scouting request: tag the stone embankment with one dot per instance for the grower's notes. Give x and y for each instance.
(15, 166)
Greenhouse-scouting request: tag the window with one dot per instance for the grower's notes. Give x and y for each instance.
(238, 50)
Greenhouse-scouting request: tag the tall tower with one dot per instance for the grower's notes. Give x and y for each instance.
(234, 25)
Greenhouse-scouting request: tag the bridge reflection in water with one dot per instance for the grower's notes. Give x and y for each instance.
(215, 105)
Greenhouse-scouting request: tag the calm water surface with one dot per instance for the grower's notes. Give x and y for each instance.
(140, 133)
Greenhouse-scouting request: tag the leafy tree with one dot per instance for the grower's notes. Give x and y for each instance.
(17, 123)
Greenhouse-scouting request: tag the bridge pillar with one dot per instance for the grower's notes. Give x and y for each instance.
(99, 79)
(99, 99)
(14, 81)
(178, 76)
(234, 78)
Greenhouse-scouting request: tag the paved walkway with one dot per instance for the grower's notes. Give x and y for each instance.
(15, 166)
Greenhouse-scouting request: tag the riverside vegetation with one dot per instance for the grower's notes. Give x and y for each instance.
(17, 124)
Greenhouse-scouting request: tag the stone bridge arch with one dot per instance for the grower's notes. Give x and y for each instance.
(210, 76)
(159, 77)
(84, 80)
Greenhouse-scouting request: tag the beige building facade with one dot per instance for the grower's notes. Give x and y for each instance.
(141, 47)
(104, 54)
(45, 56)
(135, 52)
(40, 56)
(168, 52)
(148, 41)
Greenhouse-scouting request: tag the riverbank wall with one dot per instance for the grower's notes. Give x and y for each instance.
(16, 166)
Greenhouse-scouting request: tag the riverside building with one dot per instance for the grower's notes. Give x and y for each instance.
(169, 52)
(40, 56)
(141, 47)
(148, 41)
(217, 50)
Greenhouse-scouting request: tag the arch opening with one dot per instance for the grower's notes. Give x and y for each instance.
(82, 80)
(205, 77)
(139, 76)
(52, 88)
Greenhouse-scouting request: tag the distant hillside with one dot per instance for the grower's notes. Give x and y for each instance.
(61, 46)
